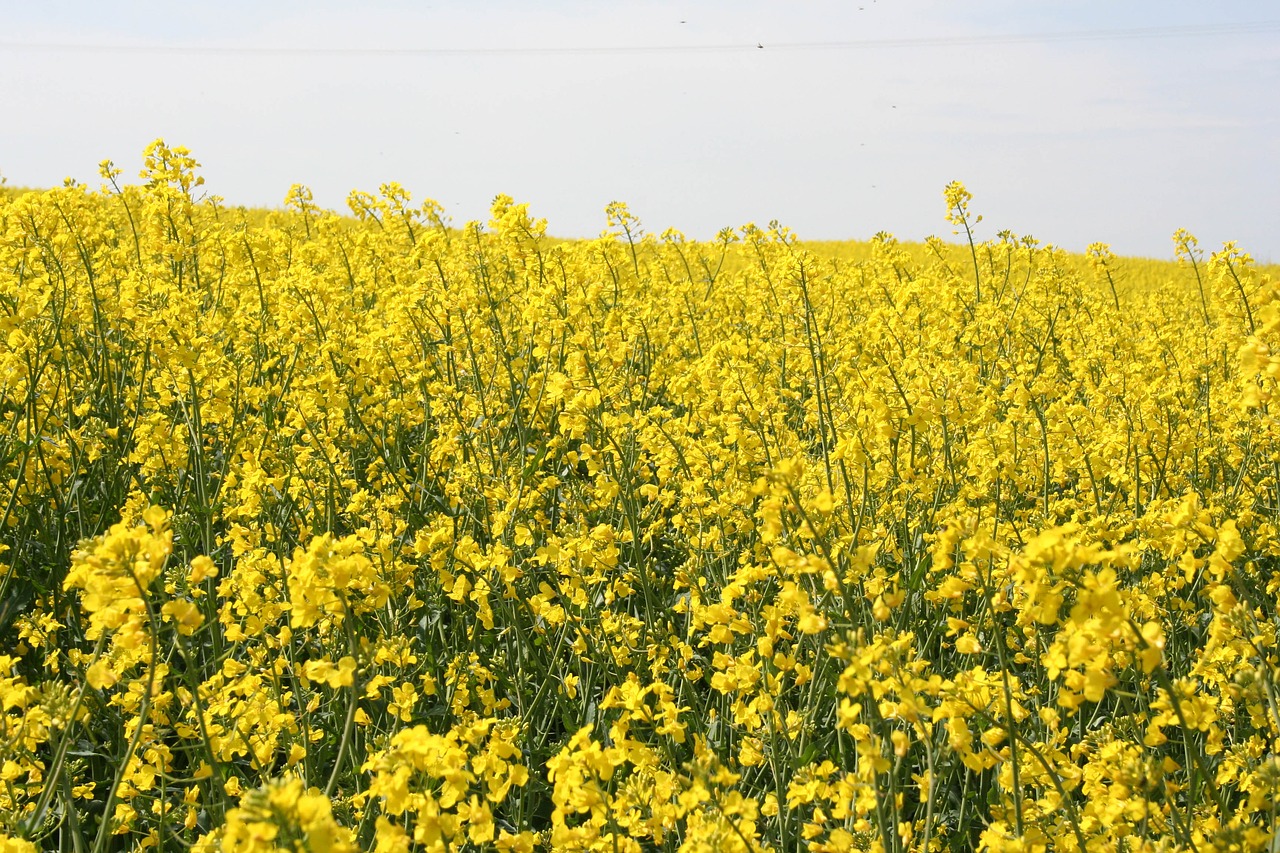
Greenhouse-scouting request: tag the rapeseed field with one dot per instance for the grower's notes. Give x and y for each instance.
(365, 532)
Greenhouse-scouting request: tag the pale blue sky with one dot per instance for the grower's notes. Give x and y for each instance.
(1119, 140)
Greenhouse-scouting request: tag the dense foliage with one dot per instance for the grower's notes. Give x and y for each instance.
(326, 533)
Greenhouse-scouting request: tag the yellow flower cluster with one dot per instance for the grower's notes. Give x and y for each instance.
(326, 533)
(280, 816)
(436, 791)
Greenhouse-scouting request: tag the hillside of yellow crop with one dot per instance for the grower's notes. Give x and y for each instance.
(330, 533)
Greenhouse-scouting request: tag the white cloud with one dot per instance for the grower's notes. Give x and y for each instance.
(1120, 141)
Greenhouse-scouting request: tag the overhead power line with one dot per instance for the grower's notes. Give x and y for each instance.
(1138, 33)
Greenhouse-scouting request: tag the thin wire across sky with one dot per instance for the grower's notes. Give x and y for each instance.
(1137, 33)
